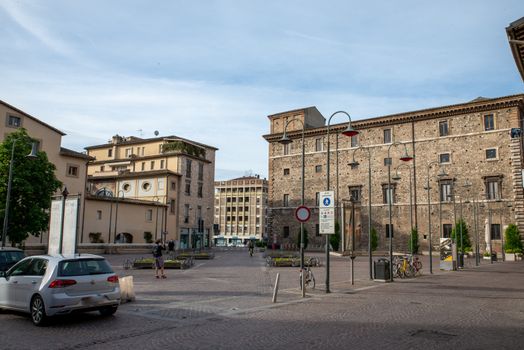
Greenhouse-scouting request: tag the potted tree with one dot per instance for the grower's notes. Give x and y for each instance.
(513, 243)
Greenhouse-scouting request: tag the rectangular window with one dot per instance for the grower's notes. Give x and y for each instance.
(143, 150)
(495, 231)
(388, 230)
(161, 164)
(318, 168)
(388, 196)
(489, 122)
(14, 121)
(286, 171)
(285, 200)
(286, 232)
(188, 188)
(354, 193)
(129, 152)
(493, 187)
(387, 161)
(172, 206)
(446, 230)
(354, 141)
(186, 214)
(152, 165)
(286, 147)
(200, 172)
(143, 167)
(387, 135)
(173, 186)
(318, 144)
(445, 191)
(188, 168)
(491, 153)
(72, 170)
(443, 128)
(200, 190)
(99, 214)
(149, 215)
(444, 158)
(102, 168)
(110, 152)
(317, 199)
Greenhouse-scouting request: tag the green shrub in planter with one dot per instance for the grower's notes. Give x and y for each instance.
(513, 242)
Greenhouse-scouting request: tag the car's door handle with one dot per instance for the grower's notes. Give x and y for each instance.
(14, 282)
(33, 282)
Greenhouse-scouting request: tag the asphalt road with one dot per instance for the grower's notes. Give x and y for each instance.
(225, 303)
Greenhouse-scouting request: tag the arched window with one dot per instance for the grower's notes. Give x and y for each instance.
(104, 192)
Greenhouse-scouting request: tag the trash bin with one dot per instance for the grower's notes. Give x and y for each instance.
(461, 260)
(494, 256)
(382, 270)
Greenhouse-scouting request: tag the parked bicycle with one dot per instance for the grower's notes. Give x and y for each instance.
(406, 266)
(309, 279)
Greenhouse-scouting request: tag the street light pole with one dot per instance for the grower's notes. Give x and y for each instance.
(349, 131)
(31, 155)
(429, 215)
(116, 212)
(396, 178)
(354, 164)
(389, 197)
(286, 140)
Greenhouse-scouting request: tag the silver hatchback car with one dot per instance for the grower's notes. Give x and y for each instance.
(47, 285)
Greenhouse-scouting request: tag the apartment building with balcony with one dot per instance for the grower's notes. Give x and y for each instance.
(240, 210)
(163, 187)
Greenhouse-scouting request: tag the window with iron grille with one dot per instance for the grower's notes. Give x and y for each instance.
(318, 144)
(444, 158)
(354, 193)
(491, 153)
(493, 187)
(495, 231)
(388, 194)
(445, 190)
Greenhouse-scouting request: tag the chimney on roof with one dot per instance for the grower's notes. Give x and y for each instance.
(116, 139)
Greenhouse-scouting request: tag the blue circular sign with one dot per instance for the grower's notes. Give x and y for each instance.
(327, 201)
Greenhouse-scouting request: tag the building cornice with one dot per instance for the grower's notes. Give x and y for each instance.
(476, 106)
(515, 31)
(136, 158)
(130, 175)
(136, 141)
(125, 200)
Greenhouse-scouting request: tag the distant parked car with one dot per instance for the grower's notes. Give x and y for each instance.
(48, 285)
(10, 256)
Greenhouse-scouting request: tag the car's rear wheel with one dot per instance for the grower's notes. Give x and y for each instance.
(38, 315)
(108, 310)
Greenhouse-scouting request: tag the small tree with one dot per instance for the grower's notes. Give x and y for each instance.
(33, 183)
(456, 236)
(374, 239)
(513, 242)
(305, 238)
(413, 241)
(334, 240)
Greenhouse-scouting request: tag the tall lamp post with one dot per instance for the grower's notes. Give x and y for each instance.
(116, 211)
(396, 178)
(349, 131)
(354, 164)
(405, 158)
(285, 140)
(442, 174)
(32, 155)
(499, 200)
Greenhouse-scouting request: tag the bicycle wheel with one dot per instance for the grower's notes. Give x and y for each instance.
(396, 270)
(311, 280)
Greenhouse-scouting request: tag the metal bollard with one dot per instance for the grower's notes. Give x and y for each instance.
(275, 290)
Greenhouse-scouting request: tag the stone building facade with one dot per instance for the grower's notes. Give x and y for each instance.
(240, 210)
(475, 147)
(169, 177)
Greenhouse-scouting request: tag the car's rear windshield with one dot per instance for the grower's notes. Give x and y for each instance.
(83, 267)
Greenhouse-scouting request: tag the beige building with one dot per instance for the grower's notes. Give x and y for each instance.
(240, 210)
(163, 188)
(70, 165)
(478, 145)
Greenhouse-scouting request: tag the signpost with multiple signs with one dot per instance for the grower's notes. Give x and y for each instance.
(327, 213)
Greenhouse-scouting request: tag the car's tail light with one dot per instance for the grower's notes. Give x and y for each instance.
(61, 283)
(113, 279)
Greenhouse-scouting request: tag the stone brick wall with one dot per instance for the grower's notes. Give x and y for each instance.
(466, 144)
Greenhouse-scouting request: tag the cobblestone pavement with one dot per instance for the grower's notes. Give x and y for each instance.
(225, 303)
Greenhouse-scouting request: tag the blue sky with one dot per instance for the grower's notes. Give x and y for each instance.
(212, 71)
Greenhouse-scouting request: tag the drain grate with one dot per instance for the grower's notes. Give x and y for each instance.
(432, 335)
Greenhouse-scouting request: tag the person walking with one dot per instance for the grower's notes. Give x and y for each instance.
(251, 247)
(159, 259)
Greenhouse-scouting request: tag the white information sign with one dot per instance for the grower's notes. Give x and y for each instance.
(327, 213)
(69, 231)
